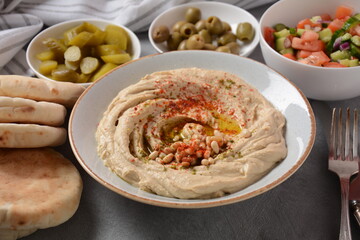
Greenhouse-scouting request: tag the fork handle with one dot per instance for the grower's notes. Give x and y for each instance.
(345, 232)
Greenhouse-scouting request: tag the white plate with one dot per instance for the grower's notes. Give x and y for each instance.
(87, 112)
(226, 12)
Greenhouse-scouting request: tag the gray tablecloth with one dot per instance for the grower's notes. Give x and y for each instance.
(306, 206)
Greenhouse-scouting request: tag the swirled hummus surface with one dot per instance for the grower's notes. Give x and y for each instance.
(191, 133)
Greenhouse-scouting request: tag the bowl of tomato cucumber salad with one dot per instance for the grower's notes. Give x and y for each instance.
(317, 48)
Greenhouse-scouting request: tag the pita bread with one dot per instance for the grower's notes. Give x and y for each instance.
(65, 93)
(13, 135)
(21, 110)
(39, 188)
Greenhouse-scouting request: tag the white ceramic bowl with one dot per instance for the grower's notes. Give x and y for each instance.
(87, 112)
(226, 12)
(316, 82)
(56, 31)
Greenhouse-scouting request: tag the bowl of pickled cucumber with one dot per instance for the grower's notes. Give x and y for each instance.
(213, 26)
(81, 51)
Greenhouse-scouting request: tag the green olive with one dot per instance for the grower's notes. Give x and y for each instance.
(187, 30)
(177, 26)
(225, 49)
(226, 38)
(226, 26)
(182, 45)
(195, 42)
(214, 25)
(192, 15)
(200, 25)
(245, 31)
(174, 41)
(234, 47)
(160, 34)
(209, 46)
(205, 35)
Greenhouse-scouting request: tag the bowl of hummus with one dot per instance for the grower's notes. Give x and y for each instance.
(191, 129)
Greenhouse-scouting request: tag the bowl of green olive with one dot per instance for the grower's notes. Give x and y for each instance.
(81, 51)
(205, 26)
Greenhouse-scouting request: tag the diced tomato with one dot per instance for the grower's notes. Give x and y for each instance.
(316, 59)
(325, 17)
(307, 22)
(290, 56)
(333, 65)
(355, 30)
(336, 24)
(303, 54)
(313, 46)
(309, 35)
(343, 11)
(269, 36)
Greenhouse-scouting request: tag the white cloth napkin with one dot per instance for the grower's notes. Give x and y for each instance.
(21, 20)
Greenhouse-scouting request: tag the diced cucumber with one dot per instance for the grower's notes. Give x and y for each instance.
(351, 22)
(325, 35)
(315, 19)
(300, 31)
(357, 16)
(279, 44)
(354, 50)
(338, 55)
(356, 40)
(287, 50)
(346, 37)
(330, 44)
(349, 62)
(283, 33)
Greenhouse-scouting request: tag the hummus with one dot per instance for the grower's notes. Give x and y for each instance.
(191, 133)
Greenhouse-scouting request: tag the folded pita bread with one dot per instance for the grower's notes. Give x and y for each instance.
(13, 135)
(39, 188)
(65, 93)
(21, 110)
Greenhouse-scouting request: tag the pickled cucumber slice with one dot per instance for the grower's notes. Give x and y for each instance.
(55, 45)
(62, 73)
(104, 69)
(108, 49)
(81, 39)
(72, 65)
(71, 33)
(72, 54)
(97, 38)
(46, 55)
(89, 65)
(89, 27)
(117, 36)
(83, 78)
(47, 66)
(116, 58)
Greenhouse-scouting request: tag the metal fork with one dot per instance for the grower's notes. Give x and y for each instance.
(341, 161)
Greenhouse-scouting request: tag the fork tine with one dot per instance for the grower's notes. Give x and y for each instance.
(332, 135)
(355, 134)
(340, 143)
(347, 149)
